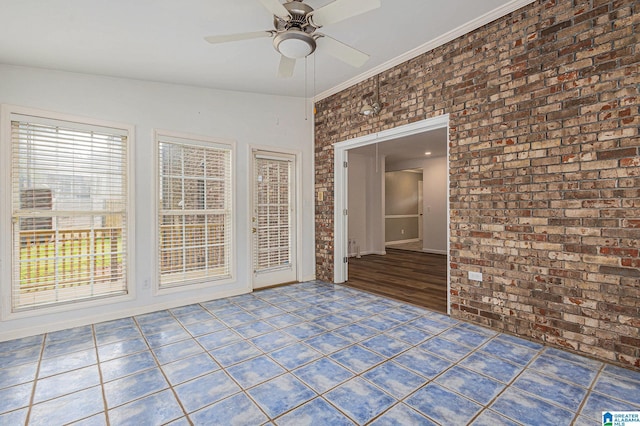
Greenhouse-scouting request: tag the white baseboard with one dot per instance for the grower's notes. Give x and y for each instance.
(364, 253)
(434, 251)
(411, 240)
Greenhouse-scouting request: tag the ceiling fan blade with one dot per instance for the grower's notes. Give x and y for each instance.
(342, 9)
(341, 51)
(237, 37)
(287, 65)
(276, 8)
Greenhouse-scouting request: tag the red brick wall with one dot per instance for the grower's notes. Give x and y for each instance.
(544, 169)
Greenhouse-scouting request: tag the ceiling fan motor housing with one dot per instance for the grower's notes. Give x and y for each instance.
(299, 12)
(294, 36)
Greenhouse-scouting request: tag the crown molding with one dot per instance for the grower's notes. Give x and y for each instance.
(472, 25)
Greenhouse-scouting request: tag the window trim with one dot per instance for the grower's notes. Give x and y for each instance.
(204, 282)
(7, 112)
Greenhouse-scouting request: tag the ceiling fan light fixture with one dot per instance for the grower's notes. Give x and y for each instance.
(294, 44)
(294, 35)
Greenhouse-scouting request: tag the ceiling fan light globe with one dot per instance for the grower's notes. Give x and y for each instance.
(294, 48)
(294, 44)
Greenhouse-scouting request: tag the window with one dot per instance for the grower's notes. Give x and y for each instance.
(69, 211)
(194, 210)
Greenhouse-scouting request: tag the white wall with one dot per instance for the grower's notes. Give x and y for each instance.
(401, 199)
(434, 176)
(357, 205)
(249, 119)
(401, 188)
(375, 206)
(366, 203)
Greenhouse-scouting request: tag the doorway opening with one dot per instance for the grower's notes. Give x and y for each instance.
(391, 194)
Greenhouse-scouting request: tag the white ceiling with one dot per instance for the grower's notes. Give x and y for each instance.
(408, 147)
(162, 40)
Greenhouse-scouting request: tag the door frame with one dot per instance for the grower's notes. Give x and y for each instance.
(340, 190)
(297, 178)
(421, 207)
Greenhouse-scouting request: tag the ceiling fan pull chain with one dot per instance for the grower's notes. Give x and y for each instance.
(306, 109)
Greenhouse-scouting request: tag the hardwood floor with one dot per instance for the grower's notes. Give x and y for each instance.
(414, 277)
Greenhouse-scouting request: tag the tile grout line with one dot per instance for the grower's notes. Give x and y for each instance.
(387, 359)
(360, 375)
(441, 373)
(286, 370)
(509, 384)
(589, 391)
(328, 357)
(454, 364)
(159, 366)
(222, 368)
(483, 406)
(136, 324)
(35, 380)
(526, 368)
(98, 362)
(324, 356)
(566, 381)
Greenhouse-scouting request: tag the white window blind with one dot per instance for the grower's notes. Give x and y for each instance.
(194, 217)
(69, 211)
(272, 245)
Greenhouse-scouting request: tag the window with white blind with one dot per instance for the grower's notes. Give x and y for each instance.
(69, 210)
(194, 210)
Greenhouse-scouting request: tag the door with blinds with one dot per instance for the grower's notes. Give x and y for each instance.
(273, 219)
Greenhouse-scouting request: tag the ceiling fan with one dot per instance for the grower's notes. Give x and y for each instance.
(295, 36)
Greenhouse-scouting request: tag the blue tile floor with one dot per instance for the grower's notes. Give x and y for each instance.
(309, 353)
